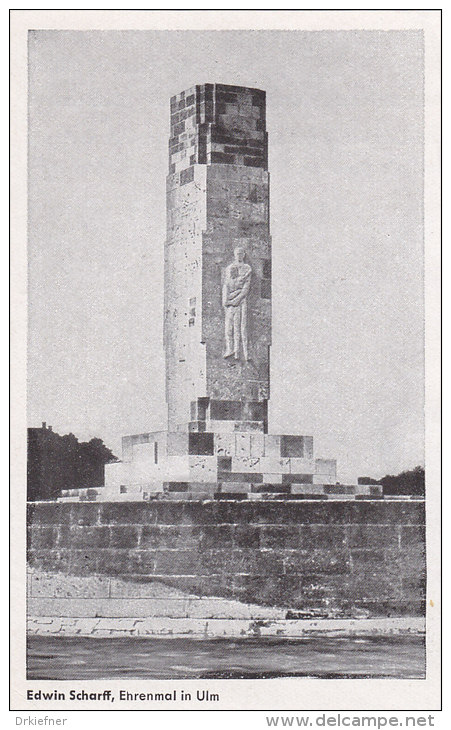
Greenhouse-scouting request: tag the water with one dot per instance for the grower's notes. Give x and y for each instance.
(80, 658)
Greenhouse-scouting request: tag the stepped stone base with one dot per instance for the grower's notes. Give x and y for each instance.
(230, 463)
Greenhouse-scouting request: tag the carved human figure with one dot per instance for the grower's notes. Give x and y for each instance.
(237, 282)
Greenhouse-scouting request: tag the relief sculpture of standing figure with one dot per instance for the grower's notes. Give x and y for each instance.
(237, 282)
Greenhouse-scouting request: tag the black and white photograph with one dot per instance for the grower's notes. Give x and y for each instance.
(229, 457)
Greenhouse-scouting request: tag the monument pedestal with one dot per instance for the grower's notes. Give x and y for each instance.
(227, 464)
(204, 463)
(234, 462)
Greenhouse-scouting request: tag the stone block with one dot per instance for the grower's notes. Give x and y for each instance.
(336, 561)
(246, 536)
(235, 512)
(270, 590)
(242, 444)
(54, 561)
(177, 444)
(217, 561)
(214, 608)
(203, 468)
(323, 537)
(392, 607)
(196, 426)
(272, 478)
(247, 477)
(272, 446)
(84, 562)
(414, 535)
(387, 512)
(279, 537)
(226, 427)
(339, 489)
(135, 513)
(200, 513)
(48, 585)
(116, 474)
(139, 586)
(323, 479)
(259, 562)
(177, 562)
(202, 487)
(224, 463)
(413, 588)
(308, 447)
(108, 607)
(257, 445)
(274, 465)
(225, 410)
(300, 513)
(84, 536)
(269, 489)
(189, 495)
(46, 513)
(123, 536)
(168, 537)
(245, 464)
(297, 478)
(168, 513)
(374, 586)
(292, 446)
(374, 536)
(141, 562)
(175, 487)
(231, 488)
(222, 495)
(302, 466)
(362, 489)
(201, 444)
(315, 489)
(255, 411)
(407, 562)
(144, 452)
(361, 558)
(216, 536)
(44, 537)
(249, 426)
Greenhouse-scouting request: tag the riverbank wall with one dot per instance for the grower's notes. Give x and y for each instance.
(215, 560)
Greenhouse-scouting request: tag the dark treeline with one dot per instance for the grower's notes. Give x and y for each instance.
(63, 462)
(407, 482)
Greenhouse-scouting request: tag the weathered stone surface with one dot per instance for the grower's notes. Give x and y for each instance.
(217, 199)
(333, 557)
(49, 585)
(240, 627)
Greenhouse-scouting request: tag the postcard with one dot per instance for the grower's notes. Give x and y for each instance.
(226, 360)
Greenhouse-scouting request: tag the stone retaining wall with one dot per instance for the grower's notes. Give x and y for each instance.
(327, 559)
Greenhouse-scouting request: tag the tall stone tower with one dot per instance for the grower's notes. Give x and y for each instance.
(217, 320)
(218, 259)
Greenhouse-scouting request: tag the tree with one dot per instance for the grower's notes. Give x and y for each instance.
(62, 462)
(409, 482)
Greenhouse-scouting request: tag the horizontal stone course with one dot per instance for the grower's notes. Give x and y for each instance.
(364, 541)
(408, 514)
(196, 628)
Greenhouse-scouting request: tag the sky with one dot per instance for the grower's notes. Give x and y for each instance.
(345, 124)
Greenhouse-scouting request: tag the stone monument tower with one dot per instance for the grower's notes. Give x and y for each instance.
(218, 260)
(217, 319)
